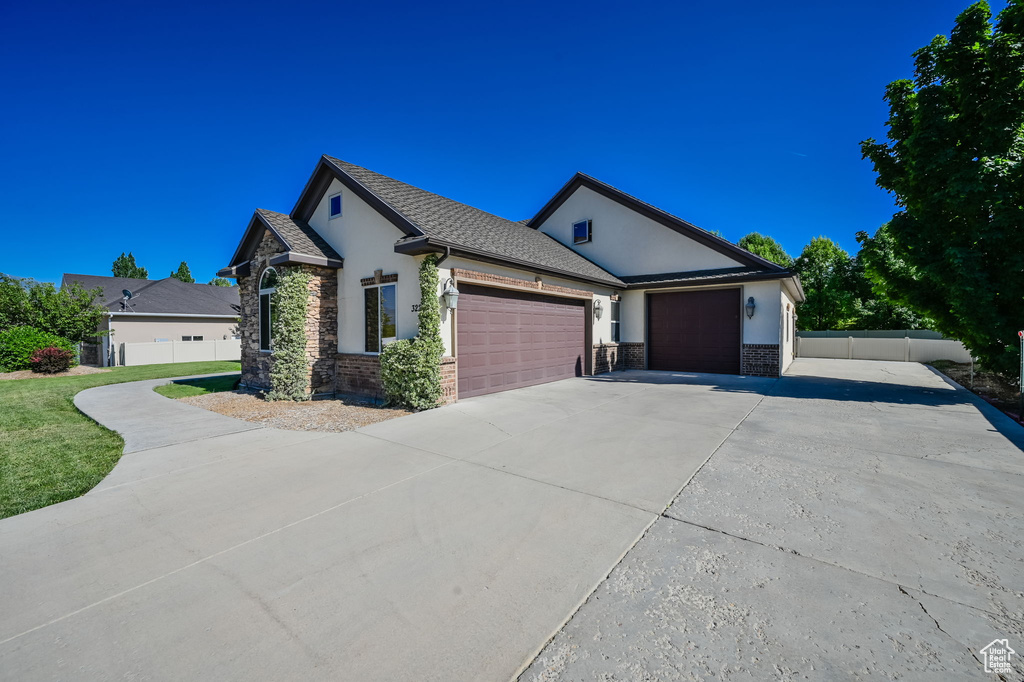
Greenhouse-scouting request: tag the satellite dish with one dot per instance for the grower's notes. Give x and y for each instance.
(127, 294)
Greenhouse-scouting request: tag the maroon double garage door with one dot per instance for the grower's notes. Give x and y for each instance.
(510, 339)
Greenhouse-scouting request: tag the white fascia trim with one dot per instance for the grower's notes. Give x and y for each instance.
(127, 314)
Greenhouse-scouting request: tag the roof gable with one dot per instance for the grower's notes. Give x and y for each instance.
(432, 222)
(654, 213)
(301, 243)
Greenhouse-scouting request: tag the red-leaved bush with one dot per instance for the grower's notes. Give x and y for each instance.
(51, 360)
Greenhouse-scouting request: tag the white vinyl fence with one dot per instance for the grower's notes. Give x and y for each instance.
(900, 350)
(163, 352)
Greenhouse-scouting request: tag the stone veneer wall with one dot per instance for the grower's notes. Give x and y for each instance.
(322, 327)
(255, 363)
(321, 321)
(449, 380)
(358, 373)
(607, 357)
(760, 359)
(632, 353)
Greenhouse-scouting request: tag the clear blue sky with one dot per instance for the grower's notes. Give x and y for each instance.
(159, 127)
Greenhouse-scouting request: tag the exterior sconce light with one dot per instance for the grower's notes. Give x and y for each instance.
(598, 309)
(450, 295)
(750, 307)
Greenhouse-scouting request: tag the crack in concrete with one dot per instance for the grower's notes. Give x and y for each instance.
(917, 601)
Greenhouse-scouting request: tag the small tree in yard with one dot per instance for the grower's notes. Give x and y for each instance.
(826, 272)
(70, 312)
(955, 163)
(410, 369)
(767, 248)
(289, 371)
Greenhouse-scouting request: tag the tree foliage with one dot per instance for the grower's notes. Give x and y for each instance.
(289, 371)
(767, 248)
(124, 266)
(221, 282)
(411, 368)
(183, 274)
(71, 312)
(827, 274)
(955, 163)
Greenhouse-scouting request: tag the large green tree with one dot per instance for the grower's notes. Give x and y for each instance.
(71, 312)
(827, 274)
(220, 282)
(124, 266)
(955, 163)
(767, 248)
(183, 274)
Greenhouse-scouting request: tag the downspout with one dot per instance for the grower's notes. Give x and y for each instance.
(447, 252)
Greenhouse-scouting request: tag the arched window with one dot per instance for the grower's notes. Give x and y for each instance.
(268, 308)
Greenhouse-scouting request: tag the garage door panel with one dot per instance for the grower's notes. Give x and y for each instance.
(695, 331)
(511, 339)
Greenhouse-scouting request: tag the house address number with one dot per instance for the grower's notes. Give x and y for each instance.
(415, 307)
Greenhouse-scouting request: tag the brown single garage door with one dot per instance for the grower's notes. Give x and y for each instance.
(509, 339)
(694, 331)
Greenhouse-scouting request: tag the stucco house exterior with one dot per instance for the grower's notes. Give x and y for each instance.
(160, 310)
(596, 281)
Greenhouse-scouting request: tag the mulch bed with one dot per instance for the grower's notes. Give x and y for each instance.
(326, 414)
(73, 372)
(994, 388)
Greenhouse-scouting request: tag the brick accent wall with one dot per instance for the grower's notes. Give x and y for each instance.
(632, 353)
(607, 357)
(760, 359)
(449, 380)
(359, 374)
(255, 364)
(539, 285)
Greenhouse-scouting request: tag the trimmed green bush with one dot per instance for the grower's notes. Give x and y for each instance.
(289, 370)
(52, 360)
(17, 345)
(410, 369)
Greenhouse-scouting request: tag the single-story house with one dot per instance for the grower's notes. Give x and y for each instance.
(596, 281)
(158, 310)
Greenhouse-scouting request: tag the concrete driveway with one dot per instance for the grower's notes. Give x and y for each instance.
(854, 508)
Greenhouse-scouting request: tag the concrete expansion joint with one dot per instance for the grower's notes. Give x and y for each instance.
(917, 601)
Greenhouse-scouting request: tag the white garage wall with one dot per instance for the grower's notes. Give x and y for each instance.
(787, 333)
(764, 326)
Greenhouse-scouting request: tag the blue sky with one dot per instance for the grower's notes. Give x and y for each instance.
(158, 128)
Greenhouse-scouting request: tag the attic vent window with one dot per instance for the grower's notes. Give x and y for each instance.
(581, 232)
(335, 205)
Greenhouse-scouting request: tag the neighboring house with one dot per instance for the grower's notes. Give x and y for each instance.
(159, 310)
(596, 281)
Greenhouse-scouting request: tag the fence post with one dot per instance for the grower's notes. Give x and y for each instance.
(849, 348)
(906, 351)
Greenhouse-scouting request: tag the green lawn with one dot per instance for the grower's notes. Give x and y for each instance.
(190, 387)
(51, 452)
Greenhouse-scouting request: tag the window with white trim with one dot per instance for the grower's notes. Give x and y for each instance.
(334, 205)
(380, 306)
(191, 338)
(268, 308)
(581, 232)
(615, 320)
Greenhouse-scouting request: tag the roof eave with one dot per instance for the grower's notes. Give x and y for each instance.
(424, 245)
(235, 271)
(293, 258)
(708, 281)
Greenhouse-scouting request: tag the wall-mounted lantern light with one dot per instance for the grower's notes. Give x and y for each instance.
(750, 307)
(450, 295)
(598, 309)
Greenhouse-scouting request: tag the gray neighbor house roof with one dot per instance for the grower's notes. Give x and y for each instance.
(435, 224)
(161, 296)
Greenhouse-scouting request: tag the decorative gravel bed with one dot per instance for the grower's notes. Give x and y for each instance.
(332, 414)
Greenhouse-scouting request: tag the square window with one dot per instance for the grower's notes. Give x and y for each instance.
(581, 232)
(335, 202)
